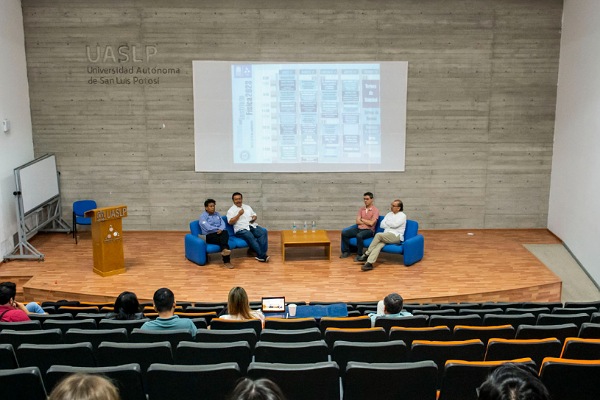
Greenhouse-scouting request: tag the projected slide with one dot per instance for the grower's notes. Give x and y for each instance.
(299, 117)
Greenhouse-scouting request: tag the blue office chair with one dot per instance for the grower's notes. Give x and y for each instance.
(79, 208)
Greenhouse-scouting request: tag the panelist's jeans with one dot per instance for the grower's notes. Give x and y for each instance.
(256, 238)
(380, 240)
(359, 234)
(222, 240)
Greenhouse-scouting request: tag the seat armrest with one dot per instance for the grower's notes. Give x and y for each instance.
(195, 249)
(413, 249)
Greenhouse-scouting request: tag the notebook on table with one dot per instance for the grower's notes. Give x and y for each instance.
(273, 307)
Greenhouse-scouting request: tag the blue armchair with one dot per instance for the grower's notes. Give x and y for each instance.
(196, 248)
(412, 248)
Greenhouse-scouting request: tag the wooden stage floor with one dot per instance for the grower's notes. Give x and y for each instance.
(490, 265)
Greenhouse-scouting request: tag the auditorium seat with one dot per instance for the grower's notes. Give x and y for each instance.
(173, 336)
(461, 379)
(537, 304)
(44, 356)
(481, 311)
(304, 381)
(290, 335)
(355, 335)
(44, 317)
(227, 336)
(581, 349)
(430, 312)
(515, 320)
(232, 324)
(483, 333)
(383, 381)
(442, 351)
(204, 309)
(452, 320)
(557, 319)
(65, 325)
(22, 384)
(532, 310)
(394, 351)
(291, 353)
(127, 378)
(579, 304)
(95, 316)
(74, 310)
(344, 322)
(411, 307)
(192, 382)
(459, 306)
(8, 359)
(409, 321)
(119, 323)
(589, 330)
(571, 379)
(21, 326)
(536, 349)
(575, 310)
(290, 323)
(190, 353)
(42, 336)
(409, 334)
(111, 354)
(201, 319)
(96, 336)
(561, 332)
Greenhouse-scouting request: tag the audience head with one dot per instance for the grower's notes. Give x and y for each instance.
(513, 382)
(80, 386)
(8, 291)
(393, 303)
(238, 304)
(164, 300)
(127, 304)
(261, 389)
(207, 202)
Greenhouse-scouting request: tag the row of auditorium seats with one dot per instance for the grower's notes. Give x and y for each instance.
(566, 379)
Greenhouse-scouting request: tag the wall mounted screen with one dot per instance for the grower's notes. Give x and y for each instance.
(299, 117)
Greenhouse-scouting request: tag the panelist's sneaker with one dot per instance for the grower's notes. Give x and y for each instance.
(225, 252)
(345, 255)
(362, 258)
(228, 265)
(266, 259)
(367, 267)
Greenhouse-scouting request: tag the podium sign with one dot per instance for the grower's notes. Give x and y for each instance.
(107, 239)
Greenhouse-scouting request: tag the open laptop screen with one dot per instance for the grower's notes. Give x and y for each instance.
(273, 305)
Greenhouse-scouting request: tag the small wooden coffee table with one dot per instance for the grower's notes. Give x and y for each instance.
(301, 239)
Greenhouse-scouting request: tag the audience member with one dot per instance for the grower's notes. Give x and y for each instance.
(213, 227)
(80, 386)
(10, 309)
(261, 389)
(366, 221)
(127, 306)
(32, 307)
(389, 307)
(513, 382)
(243, 219)
(238, 306)
(164, 304)
(393, 224)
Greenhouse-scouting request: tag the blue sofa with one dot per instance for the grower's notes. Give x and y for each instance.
(412, 248)
(196, 248)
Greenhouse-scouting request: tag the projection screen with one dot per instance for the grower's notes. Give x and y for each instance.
(299, 117)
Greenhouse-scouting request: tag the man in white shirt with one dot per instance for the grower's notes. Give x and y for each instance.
(393, 224)
(243, 219)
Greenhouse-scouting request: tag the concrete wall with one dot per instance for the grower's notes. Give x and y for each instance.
(480, 118)
(16, 146)
(575, 189)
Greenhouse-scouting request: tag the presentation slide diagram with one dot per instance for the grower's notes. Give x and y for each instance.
(306, 113)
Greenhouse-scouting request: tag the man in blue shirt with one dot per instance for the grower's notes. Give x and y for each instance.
(213, 226)
(164, 304)
(390, 307)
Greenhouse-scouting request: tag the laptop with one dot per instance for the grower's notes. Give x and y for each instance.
(273, 307)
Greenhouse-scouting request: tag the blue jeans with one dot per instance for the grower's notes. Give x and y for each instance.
(35, 308)
(257, 239)
(359, 234)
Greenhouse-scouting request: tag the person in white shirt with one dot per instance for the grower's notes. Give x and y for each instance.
(243, 219)
(393, 224)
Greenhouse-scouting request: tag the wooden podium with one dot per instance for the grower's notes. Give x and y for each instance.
(107, 239)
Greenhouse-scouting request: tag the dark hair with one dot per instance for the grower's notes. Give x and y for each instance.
(399, 204)
(368, 194)
(261, 389)
(163, 299)
(236, 194)
(393, 303)
(126, 305)
(8, 290)
(209, 201)
(513, 382)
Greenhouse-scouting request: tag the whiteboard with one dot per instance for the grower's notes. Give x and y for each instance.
(37, 181)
